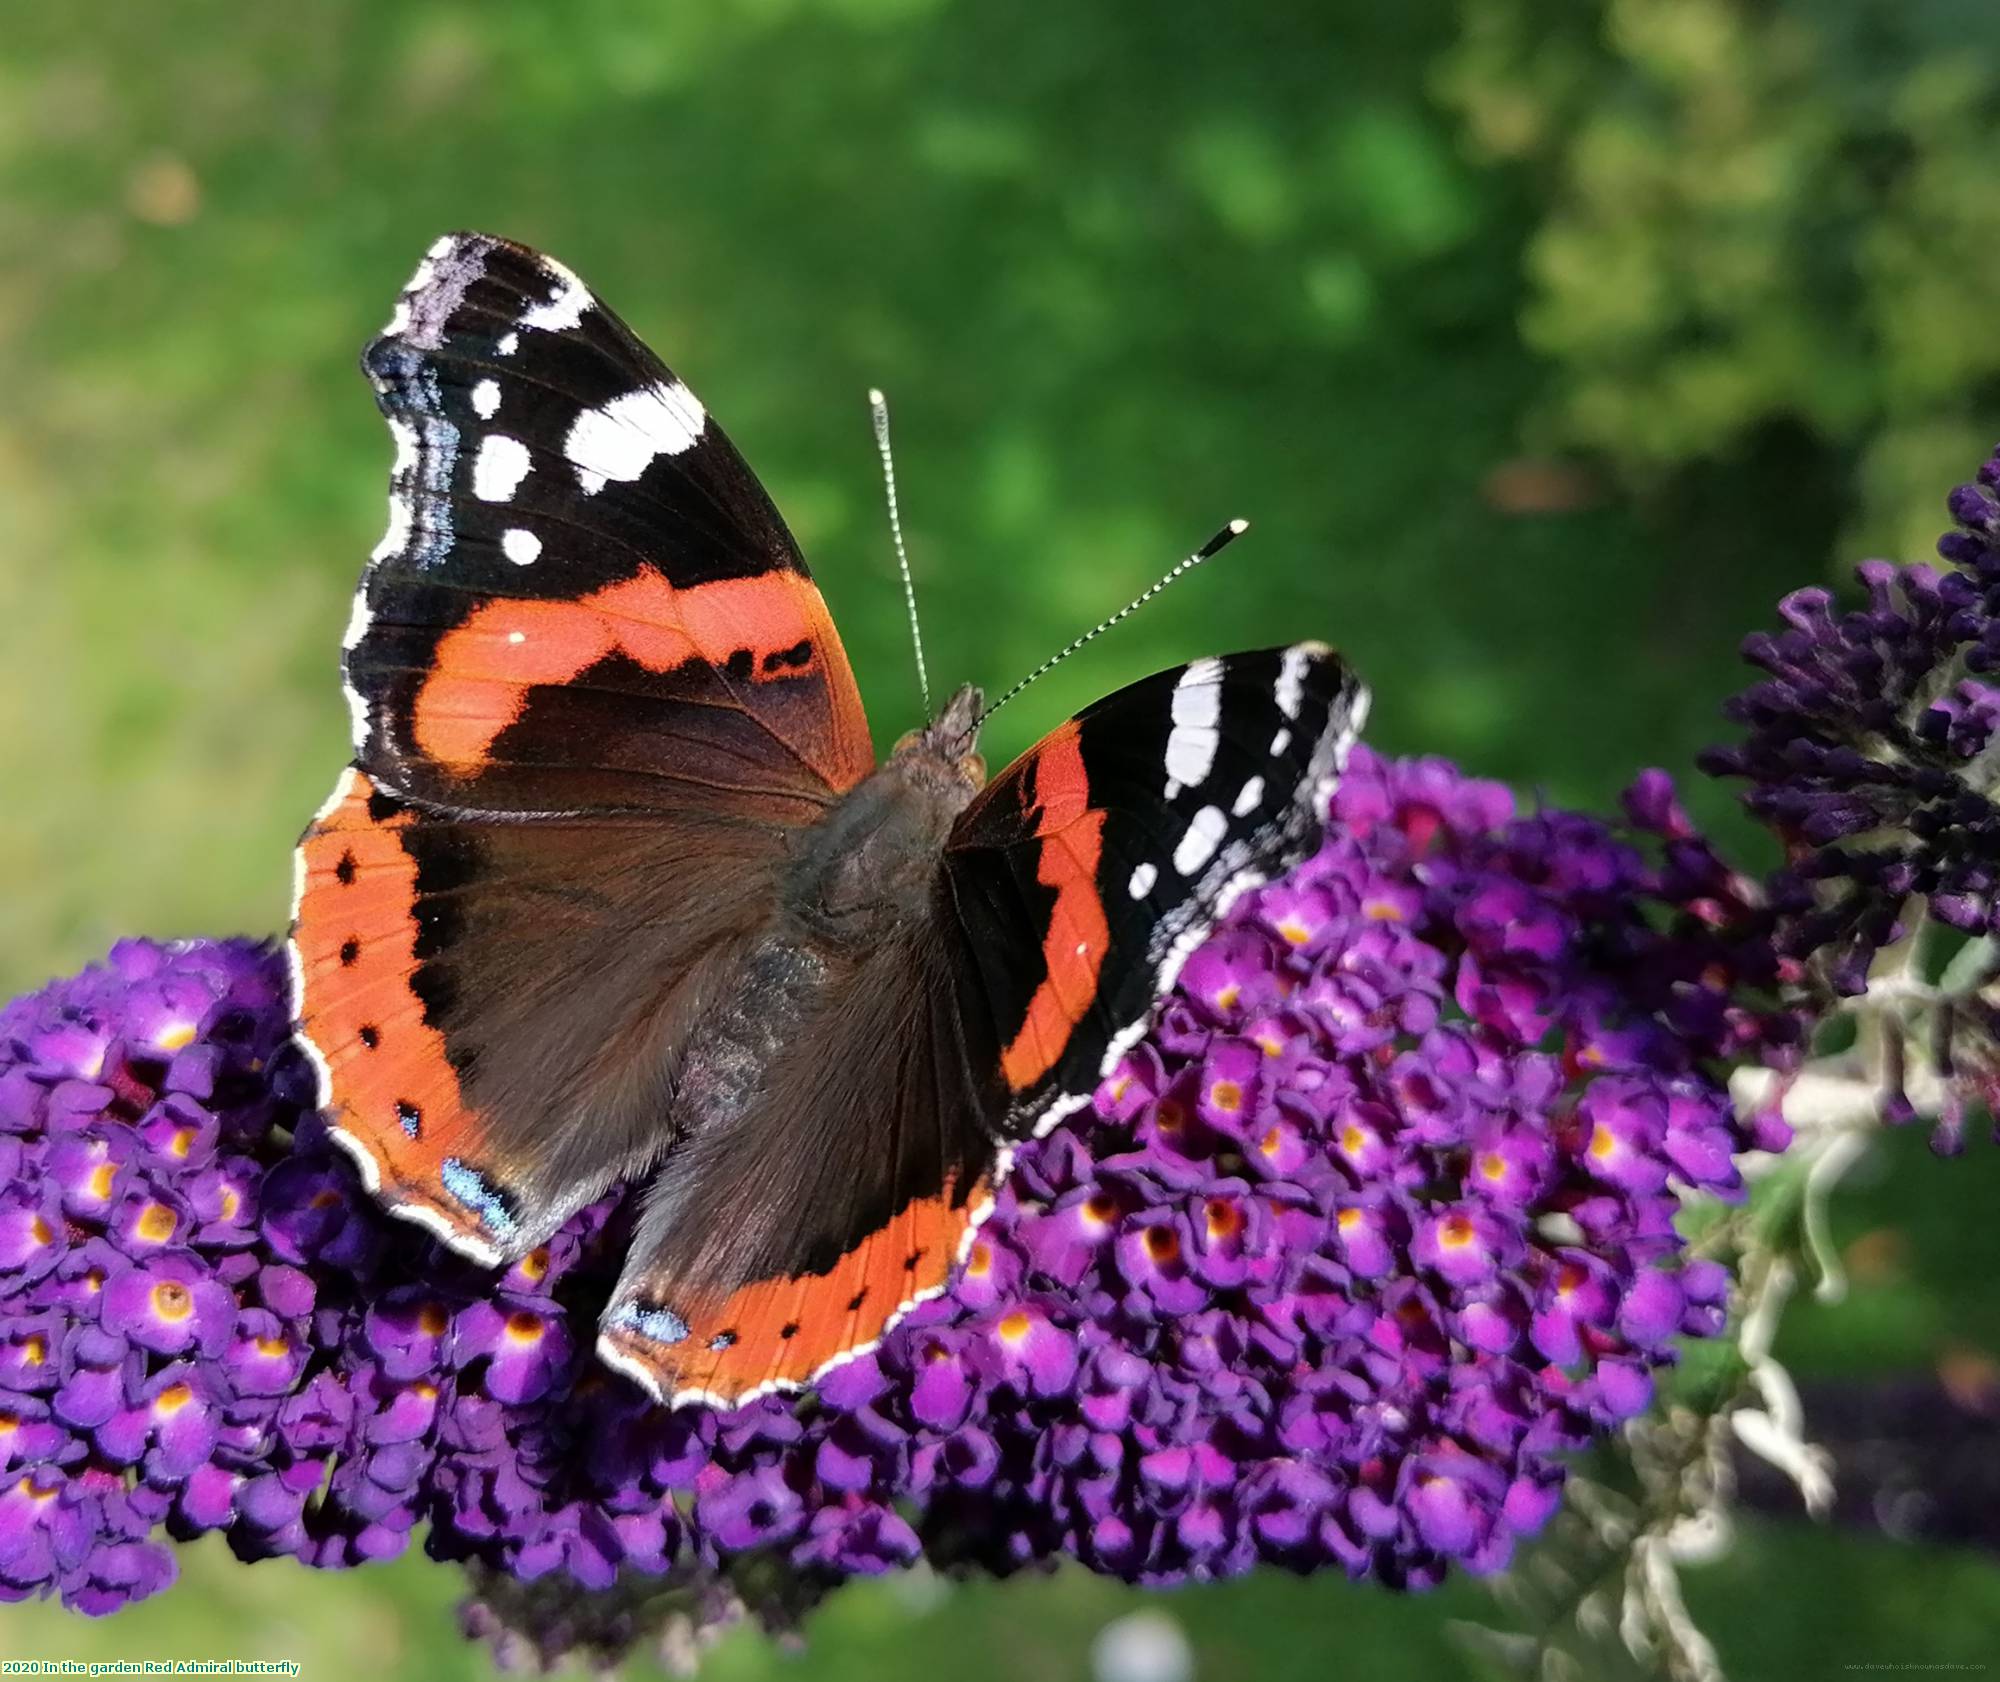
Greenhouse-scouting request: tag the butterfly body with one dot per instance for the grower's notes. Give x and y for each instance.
(615, 891)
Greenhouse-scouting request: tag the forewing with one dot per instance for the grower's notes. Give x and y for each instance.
(1088, 870)
(584, 600)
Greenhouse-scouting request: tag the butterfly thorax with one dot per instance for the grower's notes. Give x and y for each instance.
(872, 862)
(856, 885)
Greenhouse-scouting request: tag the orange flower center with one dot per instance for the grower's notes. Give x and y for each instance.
(172, 1039)
(40, 1230)
(1102, 1209)
(172, 1399)
(1225, 1220)
(432, 1320)
(1015, 1327)
(1349, 1219)
(1493, 1166)
(1272, 1142)
(980, 1262)
(1457, 1232)
(99, 1183)
(273, 1347)
(1162, 1244)
(157, 1224)
(172, 1301)
(1603, 1142)
(523, 1327)
(1227, 1096)
(535, 1264)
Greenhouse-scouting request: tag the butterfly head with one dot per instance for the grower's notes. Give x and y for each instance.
(951, 740)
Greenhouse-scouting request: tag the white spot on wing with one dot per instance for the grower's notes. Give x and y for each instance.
(1191, 744)
(521, 547)
(1143, 878)
(1280, 742)
(517, 636)
(1292, 679)
(486, 399)
(499, 468)
(620, 440)
(563, 310)
(508, 344)
(1248, 801)
(1204, 834)
(406, 447)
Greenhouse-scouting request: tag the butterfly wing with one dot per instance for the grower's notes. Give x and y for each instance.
(584, 599)
(594, 689)
(773, 1248)
(1065, 900)
(1121, 839)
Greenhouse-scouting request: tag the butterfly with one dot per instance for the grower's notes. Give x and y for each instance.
(614, 889)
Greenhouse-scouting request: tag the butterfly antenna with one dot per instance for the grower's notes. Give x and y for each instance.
(1207, 552)
(878, 408)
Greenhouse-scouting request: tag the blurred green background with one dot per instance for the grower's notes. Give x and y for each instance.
(1545, 343)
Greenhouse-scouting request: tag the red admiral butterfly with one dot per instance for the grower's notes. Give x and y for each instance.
(615, 890)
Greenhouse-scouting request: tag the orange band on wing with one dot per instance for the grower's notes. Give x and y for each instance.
(393, 1090)
(1072, 838)
(781, 1333)
(483, 668)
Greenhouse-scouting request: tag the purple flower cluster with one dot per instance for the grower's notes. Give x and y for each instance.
(1871, 750)
(1375, 1225)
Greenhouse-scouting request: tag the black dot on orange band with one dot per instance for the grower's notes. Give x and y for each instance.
(722, 1341)
(350, 952)
(370, 1037)
(799, 654)
(344, 871)
(860, 1297)
(789, 1330)
(911, 1260)
(741, 664)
